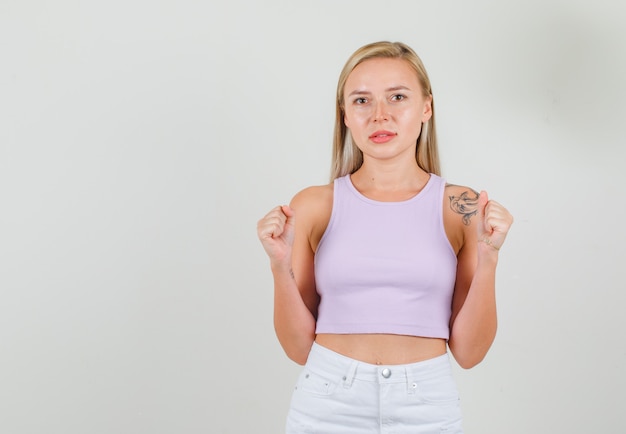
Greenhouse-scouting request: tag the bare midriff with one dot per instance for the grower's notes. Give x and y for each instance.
(383, 349)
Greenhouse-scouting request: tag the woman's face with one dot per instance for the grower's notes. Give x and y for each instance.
(385, 107)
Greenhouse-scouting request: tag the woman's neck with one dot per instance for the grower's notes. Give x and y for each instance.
(390, 176)
(395, 183)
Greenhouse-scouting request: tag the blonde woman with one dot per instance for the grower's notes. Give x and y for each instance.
(381, 271)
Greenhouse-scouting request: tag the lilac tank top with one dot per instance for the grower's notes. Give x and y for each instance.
(385, 267)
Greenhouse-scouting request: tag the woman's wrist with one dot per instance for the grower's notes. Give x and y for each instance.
(281, 267)
(487, 251)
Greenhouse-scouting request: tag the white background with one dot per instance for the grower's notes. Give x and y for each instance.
(140, 141)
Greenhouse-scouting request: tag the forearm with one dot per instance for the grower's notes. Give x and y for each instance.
(474, 328)
(293, 321)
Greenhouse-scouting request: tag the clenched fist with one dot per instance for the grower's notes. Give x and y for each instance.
(276, 232)
(494, 221)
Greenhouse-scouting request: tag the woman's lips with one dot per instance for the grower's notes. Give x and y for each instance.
(382, 136)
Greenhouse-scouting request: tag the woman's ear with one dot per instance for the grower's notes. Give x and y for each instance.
(428, 109)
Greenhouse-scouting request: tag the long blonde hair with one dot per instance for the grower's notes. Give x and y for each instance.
(347, 157)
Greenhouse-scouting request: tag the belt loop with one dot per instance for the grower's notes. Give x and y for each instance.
(411, 384)
(348, 378)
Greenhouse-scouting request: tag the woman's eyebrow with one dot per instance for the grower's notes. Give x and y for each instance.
(359, 92)
(395, 88)
(389, 89)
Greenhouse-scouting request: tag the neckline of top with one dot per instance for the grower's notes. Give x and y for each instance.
(417, 196)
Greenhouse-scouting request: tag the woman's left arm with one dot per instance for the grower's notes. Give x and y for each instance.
(474, 320)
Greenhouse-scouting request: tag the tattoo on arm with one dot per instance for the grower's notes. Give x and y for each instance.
(292, 275)
(466, 204)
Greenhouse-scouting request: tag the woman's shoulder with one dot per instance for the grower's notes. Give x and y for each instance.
(314, 196)
(460, 188)
(462, 201)
(312, 208)
(460, 206)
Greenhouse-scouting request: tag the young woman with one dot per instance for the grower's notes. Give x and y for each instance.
(377, 273)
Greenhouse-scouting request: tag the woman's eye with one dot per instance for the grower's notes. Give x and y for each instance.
(398, 97)
(360, 100)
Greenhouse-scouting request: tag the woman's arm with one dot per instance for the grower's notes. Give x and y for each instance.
(286, 236)
(474, 320)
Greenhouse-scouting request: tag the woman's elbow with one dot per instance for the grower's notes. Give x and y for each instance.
(297, 356)
(296, 350)
(468, 362)
(467, 358)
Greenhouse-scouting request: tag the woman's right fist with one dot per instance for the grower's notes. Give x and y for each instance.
(276, 232)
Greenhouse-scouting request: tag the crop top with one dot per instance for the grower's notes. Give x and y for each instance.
(385, 267)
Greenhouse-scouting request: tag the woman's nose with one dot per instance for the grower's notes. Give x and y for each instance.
(381, 113)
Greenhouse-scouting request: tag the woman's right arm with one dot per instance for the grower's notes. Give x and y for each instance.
(285, 233)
